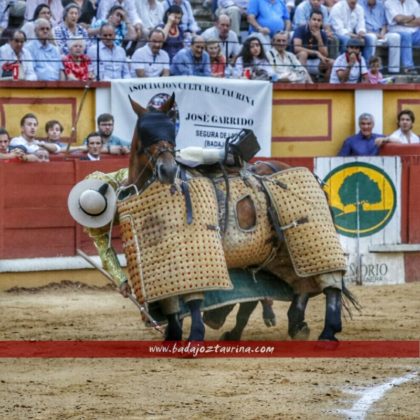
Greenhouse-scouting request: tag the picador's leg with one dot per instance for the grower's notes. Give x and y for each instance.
(242, 318)
(216, 318)
(298, 328)
(332, 314)
(269, 316)
(193, 301)
(170, 308)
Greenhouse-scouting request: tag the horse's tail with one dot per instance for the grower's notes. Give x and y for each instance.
(349, 300)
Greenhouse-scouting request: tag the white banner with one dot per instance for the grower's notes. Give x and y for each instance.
(208, 109)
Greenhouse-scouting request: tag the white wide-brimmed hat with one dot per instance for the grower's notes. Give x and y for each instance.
(92, 203)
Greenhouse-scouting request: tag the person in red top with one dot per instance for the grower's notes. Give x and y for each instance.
(76, 64)
(217, 59)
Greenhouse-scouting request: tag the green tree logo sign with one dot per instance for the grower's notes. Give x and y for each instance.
(362, 198)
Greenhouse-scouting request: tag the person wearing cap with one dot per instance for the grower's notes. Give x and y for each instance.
(350, 67)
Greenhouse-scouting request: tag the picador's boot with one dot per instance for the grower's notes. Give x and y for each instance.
(332, 314)
(197, 325)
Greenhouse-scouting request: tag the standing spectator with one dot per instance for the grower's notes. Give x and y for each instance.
(5, 152)
(286, 65)
(228, 40)
(87, 11)
(55, 6)
(41, 11)
(46, 56)
(174, 41)
(350, 67)
(310, 43)
(192, 60)
(252, 63)
(151, 14)
(151, 60)
(76, 63)
(188, 22)
(374, 74)
(404, 19)
(365, 142)
(234, 9)
(130, 8)
(112, 61)
(28, 129)
(217, 59)
(69, 28)
(268, 17)
(116, 17)
(377, 30)
(15, 59)
(405, 134)
(94, 147)
(54, 129)
(348, 21)
(4, 15)
(111, 143)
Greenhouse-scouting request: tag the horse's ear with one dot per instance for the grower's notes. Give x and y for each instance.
(167, 106)
(137, 108)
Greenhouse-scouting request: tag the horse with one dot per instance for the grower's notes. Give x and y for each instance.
(152, 159)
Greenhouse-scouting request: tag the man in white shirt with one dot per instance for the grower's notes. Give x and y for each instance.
(235, 9)
(405, 134)
(404, 19)
(348, 22)
(28, 129)
(151, 60)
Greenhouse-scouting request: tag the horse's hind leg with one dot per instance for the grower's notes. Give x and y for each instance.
(215, 318)
(298, 328)
(269, 316)
(242, 317)
(332, 314)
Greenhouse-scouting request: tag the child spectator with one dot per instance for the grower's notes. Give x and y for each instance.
(217, 59)
(42, 155)
(54, 130)
(76, 63)
(374, 75)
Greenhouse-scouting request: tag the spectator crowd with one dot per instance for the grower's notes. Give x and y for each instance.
(297, 41)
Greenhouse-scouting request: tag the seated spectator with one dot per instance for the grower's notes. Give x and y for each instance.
(15, 59)
(268, 17)
(350, 67)
(116, 17)
(348, 21)
(310, 44)
(42, 155)
(54, 129)
(234, 9)
(56, 8)
(174, 41)
(217, 59)
(111, 143)
(4, 15)
(69, 28)
(7, 154)
(47, 60)
(112, 60)
(228, 40)
(151, 14)
(87, 11)
(75, 63)
(130, 8)
(377, 30)
(94, 147)
(365, 142)
(405, 134)
(188, 22)
(41, 11)
(192, 60)
(151, 60)
(404, 19)
(374, 74)
(286, 65)
(252, 63)
(28, 129)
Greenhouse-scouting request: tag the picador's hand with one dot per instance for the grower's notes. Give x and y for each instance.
(125, 289)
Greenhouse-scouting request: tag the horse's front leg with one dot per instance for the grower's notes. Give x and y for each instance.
(170, 308)
(242, 318)
(298, 328)
(332, 314)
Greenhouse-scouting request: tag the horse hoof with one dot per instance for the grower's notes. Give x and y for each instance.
(270, 322)
(227, 336)
(300, 331)
(269, 316)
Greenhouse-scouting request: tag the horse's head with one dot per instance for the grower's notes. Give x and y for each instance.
(153, 145)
